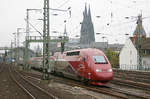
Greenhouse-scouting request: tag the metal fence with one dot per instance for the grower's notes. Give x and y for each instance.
(134, 67)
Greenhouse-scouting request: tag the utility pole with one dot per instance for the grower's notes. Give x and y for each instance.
(15, 49)
(46, 37)
(26, 43)
(18, 41)
(26, 52)
(17, 45)
(139, 38)
(11, 51)
(17, 52)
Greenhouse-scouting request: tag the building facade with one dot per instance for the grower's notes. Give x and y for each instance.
(136, 52)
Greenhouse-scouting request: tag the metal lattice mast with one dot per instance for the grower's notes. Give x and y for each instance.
(11, 51)
(46, 51)
(139, 38)
(26, 43)
(17, 45)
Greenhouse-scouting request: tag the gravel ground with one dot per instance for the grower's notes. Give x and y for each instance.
(9, 89)
(64, 91)
(77, 92)
(133, 90)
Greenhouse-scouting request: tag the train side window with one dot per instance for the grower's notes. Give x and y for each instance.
(73, 53)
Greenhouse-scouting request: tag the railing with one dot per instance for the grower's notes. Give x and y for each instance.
(5, 48)
(135, 67)
(51, 38)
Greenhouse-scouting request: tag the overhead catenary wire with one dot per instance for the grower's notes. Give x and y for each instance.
(61, 5)
(34, 28)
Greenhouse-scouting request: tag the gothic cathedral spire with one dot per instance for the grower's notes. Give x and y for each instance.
(87, 28)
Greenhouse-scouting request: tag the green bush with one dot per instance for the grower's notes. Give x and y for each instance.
(113, 57)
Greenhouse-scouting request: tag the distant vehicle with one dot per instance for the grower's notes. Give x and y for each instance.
(88, 65)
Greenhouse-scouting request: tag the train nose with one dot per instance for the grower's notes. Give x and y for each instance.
(104, 75)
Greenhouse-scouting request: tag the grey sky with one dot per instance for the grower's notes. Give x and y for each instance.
(13, 13)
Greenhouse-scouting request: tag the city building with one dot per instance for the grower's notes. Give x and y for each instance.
(129, 55)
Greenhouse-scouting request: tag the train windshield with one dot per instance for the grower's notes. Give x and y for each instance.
(99, 59)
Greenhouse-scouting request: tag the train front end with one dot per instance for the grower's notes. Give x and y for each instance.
(100, 69)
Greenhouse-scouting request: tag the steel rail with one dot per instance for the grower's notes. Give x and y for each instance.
(23, 88)
(37, 87)
(129, 93)
(144, 79)
(1, 68)
(108, 91)
(130, 83)
(99, 90)
(86, 87)
(137, 72)
(137, 75)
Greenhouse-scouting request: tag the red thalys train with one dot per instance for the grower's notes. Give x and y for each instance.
(88, 65)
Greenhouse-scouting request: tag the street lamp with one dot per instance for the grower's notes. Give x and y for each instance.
(98, 33)
(77, 36)
(98, 16)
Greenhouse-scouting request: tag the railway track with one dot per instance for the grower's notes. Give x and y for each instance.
(116, 92)
(112, 91)
(34, 91)
(144, 79)
(134, 75)
(131, 83)
(131, 72)
(1, 67)
(134, 79)
(8, 88)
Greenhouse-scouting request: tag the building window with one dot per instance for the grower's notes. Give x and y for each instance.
(130, 61)
(148, 52)
(144, 51)
(144, 62)
(130, 52)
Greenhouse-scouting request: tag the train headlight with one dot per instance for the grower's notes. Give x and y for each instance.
(98, 70)
(109, 70)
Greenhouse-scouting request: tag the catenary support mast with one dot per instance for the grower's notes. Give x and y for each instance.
(46, 37)
(26, 57)
(139, 37)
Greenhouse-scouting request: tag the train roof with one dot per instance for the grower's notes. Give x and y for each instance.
(88, 51)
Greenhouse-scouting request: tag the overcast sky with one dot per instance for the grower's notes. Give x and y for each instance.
(112, 12)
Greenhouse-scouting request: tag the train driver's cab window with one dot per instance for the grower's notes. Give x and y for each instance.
(99, 60)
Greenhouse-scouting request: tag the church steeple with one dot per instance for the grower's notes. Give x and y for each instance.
(139, 28)
(85, 11)
(89, 14)
(87, 28)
